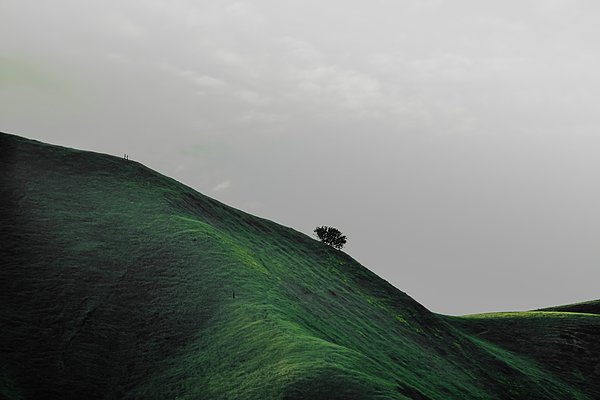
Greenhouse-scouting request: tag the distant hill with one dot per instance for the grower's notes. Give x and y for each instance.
(117, 282)
(589, 307)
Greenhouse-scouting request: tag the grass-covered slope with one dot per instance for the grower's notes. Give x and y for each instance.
(117, 282)
(563, 343)
(589, 307)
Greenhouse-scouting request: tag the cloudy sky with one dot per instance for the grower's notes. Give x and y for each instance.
(456, 143)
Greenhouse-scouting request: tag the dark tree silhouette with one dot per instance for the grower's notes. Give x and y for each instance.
(331, 236)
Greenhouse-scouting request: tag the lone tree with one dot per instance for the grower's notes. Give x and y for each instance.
(331, 236)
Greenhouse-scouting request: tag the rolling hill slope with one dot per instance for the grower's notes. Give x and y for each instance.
(589, 307)
(120, 283)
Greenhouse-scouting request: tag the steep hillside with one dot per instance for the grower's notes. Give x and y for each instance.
(117, 282)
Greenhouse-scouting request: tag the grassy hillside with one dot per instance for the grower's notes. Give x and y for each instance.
(566, 344)
(589, 307)
(118, 282)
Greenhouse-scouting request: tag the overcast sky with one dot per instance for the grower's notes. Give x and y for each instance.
(456, 143)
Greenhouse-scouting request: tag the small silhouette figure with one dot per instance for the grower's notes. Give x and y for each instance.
(233, 294)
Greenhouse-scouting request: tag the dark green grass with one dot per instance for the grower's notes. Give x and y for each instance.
(589, 307)
(118, 282)
(564, 343)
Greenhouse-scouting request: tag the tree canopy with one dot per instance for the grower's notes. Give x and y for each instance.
(331, 236)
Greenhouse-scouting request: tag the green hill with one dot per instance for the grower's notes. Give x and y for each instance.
(120, 283)
(589, 307)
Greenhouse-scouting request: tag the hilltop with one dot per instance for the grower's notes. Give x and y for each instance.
(589, 307)
(120, 283)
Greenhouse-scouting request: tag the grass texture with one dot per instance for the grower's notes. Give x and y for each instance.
(120, 283)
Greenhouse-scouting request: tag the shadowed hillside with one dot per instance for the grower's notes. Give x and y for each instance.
(120, 283)
(589, 307)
